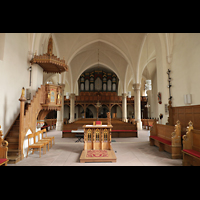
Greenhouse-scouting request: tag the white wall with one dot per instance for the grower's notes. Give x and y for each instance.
(185, 68)
(13, 76)
(36, 79)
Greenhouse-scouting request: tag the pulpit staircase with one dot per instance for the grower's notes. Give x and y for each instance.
(39, 102)
(12, 136)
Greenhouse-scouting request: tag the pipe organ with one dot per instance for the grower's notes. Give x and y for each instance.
(98, 80)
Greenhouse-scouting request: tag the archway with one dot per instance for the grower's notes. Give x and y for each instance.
(103, 111)
(79, 112)
(116, 111)
(91, 112)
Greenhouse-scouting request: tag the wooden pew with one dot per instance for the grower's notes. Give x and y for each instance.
(167, 138)
(120, 128)
(147, 123)
(3, 150)
(191, 146)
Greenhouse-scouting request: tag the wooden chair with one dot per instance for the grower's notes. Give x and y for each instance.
(42, 141)
(51, 138)
(34, 145)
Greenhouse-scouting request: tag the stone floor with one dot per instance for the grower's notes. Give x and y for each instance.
(129, 152)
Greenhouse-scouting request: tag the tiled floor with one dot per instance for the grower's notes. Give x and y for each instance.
(129, 152)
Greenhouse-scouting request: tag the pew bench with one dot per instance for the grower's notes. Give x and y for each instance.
(191, 147)
(167, 138)
(3, 150)
(67, 134)
(3, 161)
(124, 133)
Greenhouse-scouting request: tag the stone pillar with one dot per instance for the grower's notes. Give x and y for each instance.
(60, 114)
(72, 107)
(124, 107)
(137, 105)
(21, 125)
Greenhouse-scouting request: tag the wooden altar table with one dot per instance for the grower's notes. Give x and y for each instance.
(97, 147)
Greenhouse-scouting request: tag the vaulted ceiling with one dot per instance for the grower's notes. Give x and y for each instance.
(126, 54)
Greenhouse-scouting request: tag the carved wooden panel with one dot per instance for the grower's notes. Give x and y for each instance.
(185, 114)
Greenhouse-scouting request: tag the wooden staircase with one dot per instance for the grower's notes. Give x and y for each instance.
(28, 116)
(12, 138)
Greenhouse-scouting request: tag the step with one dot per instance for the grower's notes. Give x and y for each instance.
(12, 139)
(13, 159)
(13, 133)
(17, 122)
(15, 128)
(13, 152)
(13, 145)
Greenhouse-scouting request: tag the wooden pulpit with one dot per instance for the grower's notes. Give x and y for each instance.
(97, 144)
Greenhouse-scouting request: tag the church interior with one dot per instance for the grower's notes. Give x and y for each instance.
(99, 99)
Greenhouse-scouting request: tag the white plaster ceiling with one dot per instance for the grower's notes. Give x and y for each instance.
(123, 53)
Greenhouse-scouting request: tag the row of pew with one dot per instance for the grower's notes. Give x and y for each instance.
(171, 139)
(120, 128)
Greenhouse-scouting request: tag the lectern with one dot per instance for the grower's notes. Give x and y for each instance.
(97, 144)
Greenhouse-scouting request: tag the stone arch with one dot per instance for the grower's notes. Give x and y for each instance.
(109, 58)
(103, 110)
(92, 109)
(92, 65)
(112, 111)
(158, 40)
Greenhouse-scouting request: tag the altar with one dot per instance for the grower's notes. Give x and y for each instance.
(97, 144)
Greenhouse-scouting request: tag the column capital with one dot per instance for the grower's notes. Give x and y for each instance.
(72, 95)
(62, 86)
(124, 95)
(136, 86)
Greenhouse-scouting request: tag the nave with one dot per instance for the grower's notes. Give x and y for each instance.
(129, 151)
